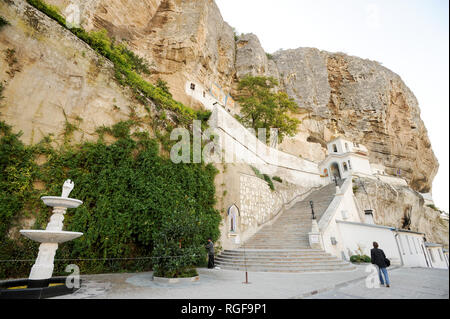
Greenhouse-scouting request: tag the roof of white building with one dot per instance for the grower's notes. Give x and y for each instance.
(408, 231)
(427, 244)
(363, 224)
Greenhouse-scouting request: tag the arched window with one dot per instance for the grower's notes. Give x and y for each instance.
(233, 213)
(334, 148)
(349, 164)
(345, 166)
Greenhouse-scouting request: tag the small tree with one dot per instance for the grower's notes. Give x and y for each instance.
(262, 107)
(177, 248)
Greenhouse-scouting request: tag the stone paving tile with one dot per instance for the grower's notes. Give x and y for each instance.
(406, 283)
(215, 284)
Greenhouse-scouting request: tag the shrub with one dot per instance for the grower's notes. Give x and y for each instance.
(3, 22)
(163, 86)
(269, 181)
(278, 179)
(1, 91)
(360, 259)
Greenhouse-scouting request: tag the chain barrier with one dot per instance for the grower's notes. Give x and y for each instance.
(92, 259)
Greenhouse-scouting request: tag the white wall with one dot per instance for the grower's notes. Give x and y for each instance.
(239, 145)
(207, 99)
(362, 236)
(437, 257)
(412, 249)
(358, 164)
(342, 207)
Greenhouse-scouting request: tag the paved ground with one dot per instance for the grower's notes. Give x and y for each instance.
(406, 283)
(227, 284)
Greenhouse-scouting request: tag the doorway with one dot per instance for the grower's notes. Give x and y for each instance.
(335, 172)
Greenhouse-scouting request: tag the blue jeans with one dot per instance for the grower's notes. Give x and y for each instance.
(386, 277)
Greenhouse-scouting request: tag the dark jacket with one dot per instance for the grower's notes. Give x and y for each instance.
(210, 248)
(378, 257)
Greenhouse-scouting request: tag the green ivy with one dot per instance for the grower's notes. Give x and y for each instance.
(135, 203)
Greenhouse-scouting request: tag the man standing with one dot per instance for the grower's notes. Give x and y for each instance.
(210, 248)
(379, 258)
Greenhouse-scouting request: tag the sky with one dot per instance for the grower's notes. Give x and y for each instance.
(410, 37)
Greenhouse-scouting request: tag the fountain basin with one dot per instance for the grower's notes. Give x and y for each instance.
(49, 236)
(57, 201)
(24, 289)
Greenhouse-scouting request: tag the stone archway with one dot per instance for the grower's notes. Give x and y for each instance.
(233, 213)
(335, 171)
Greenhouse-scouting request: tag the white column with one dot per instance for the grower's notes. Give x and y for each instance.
(43, 267)
(315, 240)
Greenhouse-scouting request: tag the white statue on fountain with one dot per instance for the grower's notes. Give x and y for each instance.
(67, 188)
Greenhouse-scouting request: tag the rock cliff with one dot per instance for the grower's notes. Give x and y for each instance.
(398, 205)
(357, 98)
(189, 41)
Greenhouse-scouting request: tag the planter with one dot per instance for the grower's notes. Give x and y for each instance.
(175, 280)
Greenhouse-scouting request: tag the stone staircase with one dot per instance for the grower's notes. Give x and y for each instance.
(284, 245)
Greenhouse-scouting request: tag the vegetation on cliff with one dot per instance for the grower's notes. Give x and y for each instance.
(127, 65)
(3, 22)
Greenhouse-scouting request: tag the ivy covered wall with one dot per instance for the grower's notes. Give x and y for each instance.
(136, 203)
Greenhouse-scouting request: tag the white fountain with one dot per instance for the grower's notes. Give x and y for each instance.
(42, 270)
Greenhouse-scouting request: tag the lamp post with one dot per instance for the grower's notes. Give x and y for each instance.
(312, 209)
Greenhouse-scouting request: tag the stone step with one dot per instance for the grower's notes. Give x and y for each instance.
(268, 243)
(304, 256)
(285, 239)
(293, 254)
(280, 236)
(277, 257)
(280, 260)
(284, 246)
(272, 265)
(276, 247)
(287, 268)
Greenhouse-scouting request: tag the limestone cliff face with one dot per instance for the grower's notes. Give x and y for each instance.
(181, 40)
(50, 77)
(391, 204)
(359, 99)
(189, 41)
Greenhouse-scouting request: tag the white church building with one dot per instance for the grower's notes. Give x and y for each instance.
(344, 159)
